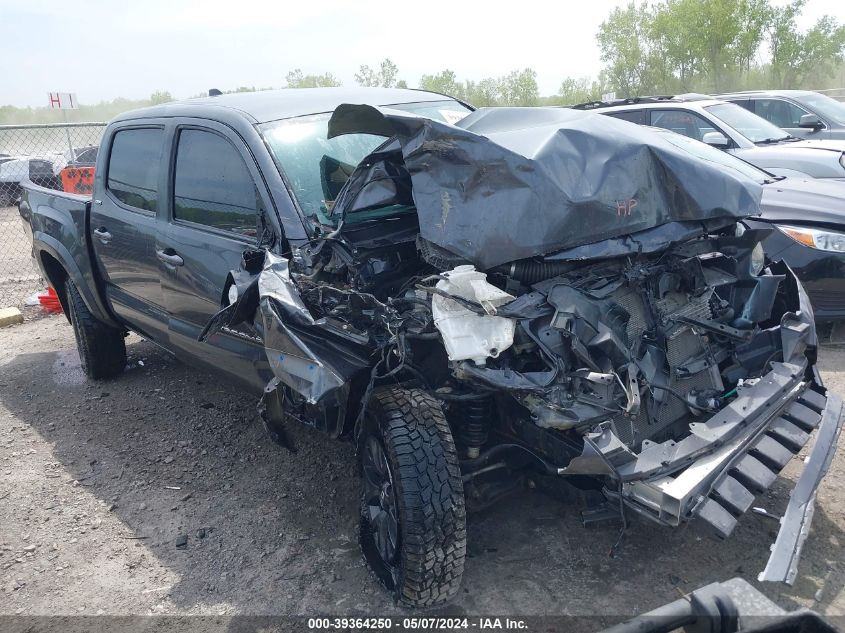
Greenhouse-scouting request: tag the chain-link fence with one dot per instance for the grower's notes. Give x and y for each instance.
(56, 156)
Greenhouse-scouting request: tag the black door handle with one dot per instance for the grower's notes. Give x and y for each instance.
(102, 234)
(171, 258)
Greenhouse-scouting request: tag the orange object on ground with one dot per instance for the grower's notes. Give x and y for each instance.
(49, 300)
(77, 179)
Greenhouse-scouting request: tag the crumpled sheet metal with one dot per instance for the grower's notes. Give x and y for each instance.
(506, 184)
(290, 332)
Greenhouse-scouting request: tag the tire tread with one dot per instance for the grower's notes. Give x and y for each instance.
(102, 349)
(419, 444)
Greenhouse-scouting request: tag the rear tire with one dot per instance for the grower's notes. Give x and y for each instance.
(102, 350)
(413, 520)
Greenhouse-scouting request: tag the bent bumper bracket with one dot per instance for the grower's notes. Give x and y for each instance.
(795, 524)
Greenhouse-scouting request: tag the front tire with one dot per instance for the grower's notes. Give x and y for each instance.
(102, 349)
(413, 520)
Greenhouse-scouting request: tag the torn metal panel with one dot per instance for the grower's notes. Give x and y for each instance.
(506, 184)
(299, 347)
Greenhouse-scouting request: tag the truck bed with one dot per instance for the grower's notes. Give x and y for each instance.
(59, 222)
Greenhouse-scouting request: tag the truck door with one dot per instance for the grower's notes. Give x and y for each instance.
(124, 227)
(213, 218)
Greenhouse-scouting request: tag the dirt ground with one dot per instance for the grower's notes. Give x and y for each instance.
(99, 480)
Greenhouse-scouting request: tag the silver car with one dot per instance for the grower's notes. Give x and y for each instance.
(802, 113)
(734, 129)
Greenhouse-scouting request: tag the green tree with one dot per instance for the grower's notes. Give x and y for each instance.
(484, 93)
(366, 77)
(388, 73)
(581, 90)
(384, 77)
(445, 81)
(519, 88)
(701, 45)
(753, 17)
(672, 31)
(297, 79)
(160, 96)
(797, 56)
(627, 49)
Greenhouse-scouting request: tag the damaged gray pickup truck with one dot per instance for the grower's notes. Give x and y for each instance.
(471, 297)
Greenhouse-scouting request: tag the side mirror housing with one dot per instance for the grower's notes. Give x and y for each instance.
(811, 121)
(716, 139)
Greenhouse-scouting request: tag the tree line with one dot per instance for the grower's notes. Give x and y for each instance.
(714, 46)
(647, 47)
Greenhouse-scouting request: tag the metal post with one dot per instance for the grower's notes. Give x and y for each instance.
(69, 142)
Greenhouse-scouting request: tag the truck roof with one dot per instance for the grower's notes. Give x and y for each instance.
(272, 105)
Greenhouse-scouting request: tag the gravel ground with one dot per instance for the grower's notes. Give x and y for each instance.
(99, 480)
(19, 276)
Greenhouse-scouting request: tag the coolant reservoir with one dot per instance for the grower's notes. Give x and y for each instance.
(466, 335)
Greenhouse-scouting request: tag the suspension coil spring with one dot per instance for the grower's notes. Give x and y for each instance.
(475, 424)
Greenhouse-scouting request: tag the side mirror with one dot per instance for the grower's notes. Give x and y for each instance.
(811, 121)
(716, 139)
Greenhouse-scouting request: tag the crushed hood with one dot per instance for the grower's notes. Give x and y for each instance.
(506, 184)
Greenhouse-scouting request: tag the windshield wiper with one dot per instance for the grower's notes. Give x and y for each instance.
(780, 139)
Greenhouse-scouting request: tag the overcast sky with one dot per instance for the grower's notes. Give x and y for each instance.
(104, 49)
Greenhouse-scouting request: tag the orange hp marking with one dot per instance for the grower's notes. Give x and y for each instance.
(625, 207)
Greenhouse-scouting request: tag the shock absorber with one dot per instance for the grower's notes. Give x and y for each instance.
(475, 425)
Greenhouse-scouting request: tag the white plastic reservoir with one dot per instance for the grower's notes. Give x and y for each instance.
(466, 335)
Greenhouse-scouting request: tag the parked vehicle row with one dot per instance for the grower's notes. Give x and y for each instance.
(805, 214)
(15, 170)
(470, 297)
(71, 171)
(732, 128)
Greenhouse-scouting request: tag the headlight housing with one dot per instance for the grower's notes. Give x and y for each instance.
(831, 241)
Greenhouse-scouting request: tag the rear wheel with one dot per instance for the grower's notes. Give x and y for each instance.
(413, 521)
(102, 350)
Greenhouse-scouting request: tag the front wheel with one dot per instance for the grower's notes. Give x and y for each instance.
(413, 521)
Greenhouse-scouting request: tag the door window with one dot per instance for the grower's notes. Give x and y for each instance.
(212, 185)
(781, 113)
(134, 165)
(634, 116)
(683, 122)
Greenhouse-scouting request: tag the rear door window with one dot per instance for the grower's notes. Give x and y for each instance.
(212, 185)
(134, 165)
(748, 104)
(682, 122)
(634, 116)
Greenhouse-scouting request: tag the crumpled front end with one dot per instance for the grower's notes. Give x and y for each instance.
(604, 320)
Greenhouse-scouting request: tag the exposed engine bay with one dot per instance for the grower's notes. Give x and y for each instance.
(665, 363)
(645, 344)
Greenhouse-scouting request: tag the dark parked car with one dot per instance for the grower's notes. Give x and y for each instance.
(802, 113)
(806, 222)
(469, 300)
